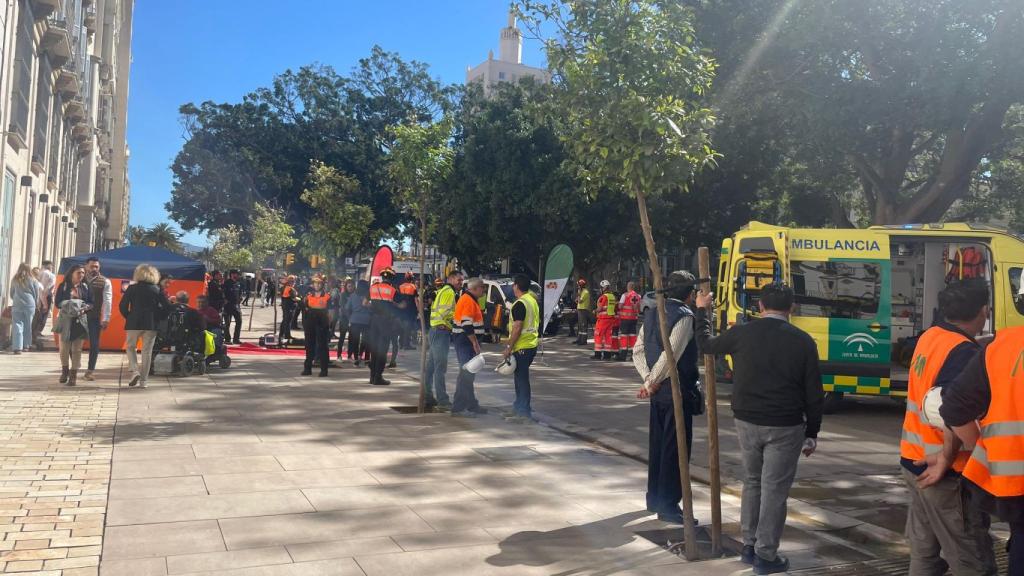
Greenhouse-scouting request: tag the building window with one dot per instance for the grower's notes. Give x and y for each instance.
(837, 289)
(501, 75)
(54, 163)
(23, 55)
(43, 97)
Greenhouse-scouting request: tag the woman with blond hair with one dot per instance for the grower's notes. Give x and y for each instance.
(142, 305)
(25, 298)
(73, 300)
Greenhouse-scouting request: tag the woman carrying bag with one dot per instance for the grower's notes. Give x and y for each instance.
(73, 300)
(143, 305)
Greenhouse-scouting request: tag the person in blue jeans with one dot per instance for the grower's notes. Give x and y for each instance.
(25, 297)
(522, 341)
(442, 320)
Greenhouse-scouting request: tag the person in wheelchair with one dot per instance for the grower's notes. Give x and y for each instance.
(181, 339)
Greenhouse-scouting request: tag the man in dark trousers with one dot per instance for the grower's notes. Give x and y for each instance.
(382, 324)
(777, 402)
(232, 306)
(664, 490)
(316, 326)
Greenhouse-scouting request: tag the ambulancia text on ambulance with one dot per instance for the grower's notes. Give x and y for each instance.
(865, 295)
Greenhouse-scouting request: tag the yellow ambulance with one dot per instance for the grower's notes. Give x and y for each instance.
(865, 295)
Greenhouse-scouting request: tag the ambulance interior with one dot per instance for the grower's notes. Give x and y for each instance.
(921, 268)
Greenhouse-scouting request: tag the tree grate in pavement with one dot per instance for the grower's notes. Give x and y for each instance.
(671, 539)
(889, 567)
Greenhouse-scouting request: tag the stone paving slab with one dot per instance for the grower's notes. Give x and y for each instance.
(55, 452)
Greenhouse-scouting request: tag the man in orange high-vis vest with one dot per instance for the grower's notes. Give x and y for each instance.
(382, 324)
(606, 345)
(629, 310)
(316, 326)
(985, 407)
(943, 533)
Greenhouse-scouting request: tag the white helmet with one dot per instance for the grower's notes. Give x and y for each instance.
(605, 284)
(475, 364)
(508, 367)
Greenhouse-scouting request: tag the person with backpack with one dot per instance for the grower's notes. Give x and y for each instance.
(143, 305)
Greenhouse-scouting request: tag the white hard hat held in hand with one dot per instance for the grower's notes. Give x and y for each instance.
(508, 367)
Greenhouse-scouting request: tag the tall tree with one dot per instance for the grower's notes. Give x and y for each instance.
(165, 236)
(906, 101)
(236, 155)
(632, 80)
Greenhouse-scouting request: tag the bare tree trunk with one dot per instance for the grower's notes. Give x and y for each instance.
(422, 405)
(690, 534)
(710, 386)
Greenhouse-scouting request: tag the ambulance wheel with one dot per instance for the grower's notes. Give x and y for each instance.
(187, 366)
(225, 362)
(833, 401)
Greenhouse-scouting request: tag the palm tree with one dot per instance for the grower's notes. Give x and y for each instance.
(137, 235)
(164, 236)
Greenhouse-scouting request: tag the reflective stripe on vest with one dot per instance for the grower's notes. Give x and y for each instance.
(443, 309)
(919, 438)
(606, 305)
(997, 463)
(528, 337)
(630, 307)
(382, 291)
(317, 302)
(408, 289)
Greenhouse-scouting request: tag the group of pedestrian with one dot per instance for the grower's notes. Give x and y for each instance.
(616, 320)
(777, 401)
(970, 466)
(225, 295)
(31, 294)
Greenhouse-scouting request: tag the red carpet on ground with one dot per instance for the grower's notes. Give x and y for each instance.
(250, 348)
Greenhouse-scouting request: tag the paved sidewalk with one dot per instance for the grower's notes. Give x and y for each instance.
(55, 448)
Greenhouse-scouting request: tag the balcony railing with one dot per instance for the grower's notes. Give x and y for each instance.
(89, 18)
(43, 8)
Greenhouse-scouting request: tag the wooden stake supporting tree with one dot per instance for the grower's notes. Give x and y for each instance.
(630, 77)
(711, 391)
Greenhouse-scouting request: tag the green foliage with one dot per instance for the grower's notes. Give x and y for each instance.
(633, 78)
(271, 235)
(229, 251)
(337, 226)
(161, 235)
(259, 150)
(890, 109)
(419, 162)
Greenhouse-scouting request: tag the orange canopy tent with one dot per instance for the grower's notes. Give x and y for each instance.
(119, 264)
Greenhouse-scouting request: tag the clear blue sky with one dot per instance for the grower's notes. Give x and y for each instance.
(219, 50)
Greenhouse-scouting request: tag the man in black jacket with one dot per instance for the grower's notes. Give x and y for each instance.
(232, 306)
(777, 402)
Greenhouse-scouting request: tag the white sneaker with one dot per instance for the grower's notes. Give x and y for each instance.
(142, 383)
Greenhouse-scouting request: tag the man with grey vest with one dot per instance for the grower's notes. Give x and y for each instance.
(777, 402)
(664, 490)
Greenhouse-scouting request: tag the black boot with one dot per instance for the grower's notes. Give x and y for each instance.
(64, 375)
(323, 374)
(307, 369)
(596, 356)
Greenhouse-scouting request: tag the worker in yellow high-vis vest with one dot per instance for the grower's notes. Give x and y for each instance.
(523, 340)
(442, 320)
